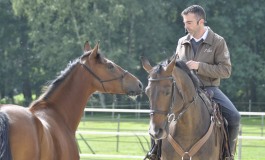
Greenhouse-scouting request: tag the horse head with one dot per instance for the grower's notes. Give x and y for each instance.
(159, 91)
(108, 76)
(171, 91)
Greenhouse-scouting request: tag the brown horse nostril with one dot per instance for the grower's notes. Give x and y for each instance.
(140, 85)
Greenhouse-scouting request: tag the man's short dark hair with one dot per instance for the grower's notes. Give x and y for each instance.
(195, 9)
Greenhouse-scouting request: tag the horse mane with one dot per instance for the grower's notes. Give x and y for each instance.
(182, 65)
(53, 85)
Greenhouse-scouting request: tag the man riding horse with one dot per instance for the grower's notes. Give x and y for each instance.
(206, 53)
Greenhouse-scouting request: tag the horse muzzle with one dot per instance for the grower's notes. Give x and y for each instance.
(158, 133)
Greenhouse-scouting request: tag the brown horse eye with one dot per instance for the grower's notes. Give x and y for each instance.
(110, 66)
(167, 93)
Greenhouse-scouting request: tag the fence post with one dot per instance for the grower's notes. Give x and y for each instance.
(136, 107)
(139, 107)
(249, 107)
(240, 143)
(113, 105)
(118, 136)
(262, 124)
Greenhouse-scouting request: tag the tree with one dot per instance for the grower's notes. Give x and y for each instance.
(14, 61)
(53, 33)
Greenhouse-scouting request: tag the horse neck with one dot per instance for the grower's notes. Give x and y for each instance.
(70, 98)
(185, 85)
(196, 114)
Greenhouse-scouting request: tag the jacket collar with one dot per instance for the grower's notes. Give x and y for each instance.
(208, 40)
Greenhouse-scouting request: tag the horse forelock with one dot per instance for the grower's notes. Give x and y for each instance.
(99, 56)
(158, 68)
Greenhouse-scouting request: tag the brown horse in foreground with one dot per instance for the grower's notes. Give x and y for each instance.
(46, 130)
(181, 115)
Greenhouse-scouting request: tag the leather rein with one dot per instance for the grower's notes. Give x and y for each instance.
(99, 79)
(173, 118)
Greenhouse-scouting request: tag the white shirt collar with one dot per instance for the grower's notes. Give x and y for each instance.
(203, 36)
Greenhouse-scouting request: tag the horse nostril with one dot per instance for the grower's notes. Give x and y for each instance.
(140, 85)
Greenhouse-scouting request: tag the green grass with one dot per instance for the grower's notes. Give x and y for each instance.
(139, 145)
(111, 144)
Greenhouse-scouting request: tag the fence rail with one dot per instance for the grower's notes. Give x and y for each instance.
(110, 156)
(240, 137)
(148, 111)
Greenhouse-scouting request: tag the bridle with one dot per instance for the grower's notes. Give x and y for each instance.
(99, 79)
(153, 111)
(171, 115)
(173, 118)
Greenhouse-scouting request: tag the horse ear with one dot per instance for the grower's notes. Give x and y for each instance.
(87, 46)
(146, 65)
(95, 51)
(170, 66)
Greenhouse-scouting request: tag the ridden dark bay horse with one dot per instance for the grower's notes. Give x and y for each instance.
(46, 130)
(181, 115)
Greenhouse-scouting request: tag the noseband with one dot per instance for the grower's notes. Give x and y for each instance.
(99, 79)
(171, 116)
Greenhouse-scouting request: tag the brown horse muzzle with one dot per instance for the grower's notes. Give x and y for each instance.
(158, 132)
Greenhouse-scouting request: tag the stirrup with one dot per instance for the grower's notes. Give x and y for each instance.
(229, 158)
(150, 156)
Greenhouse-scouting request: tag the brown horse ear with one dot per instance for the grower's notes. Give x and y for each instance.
(95, 51)
(146, 65)
(170, 66)
(87, 46)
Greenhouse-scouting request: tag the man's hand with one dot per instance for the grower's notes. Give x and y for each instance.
(193, 65)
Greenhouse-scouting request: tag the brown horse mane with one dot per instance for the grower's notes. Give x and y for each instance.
(180, 64)
(53, 85)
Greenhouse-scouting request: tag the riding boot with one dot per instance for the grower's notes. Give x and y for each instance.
(233, 134)
(154, 154)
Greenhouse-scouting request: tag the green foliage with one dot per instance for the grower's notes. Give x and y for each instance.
(38, 38)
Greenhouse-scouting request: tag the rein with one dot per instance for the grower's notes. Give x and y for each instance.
(99, 79)
(173, 118)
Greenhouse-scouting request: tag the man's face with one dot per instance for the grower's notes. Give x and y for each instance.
(191, 24)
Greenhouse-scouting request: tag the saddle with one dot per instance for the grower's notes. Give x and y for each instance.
(220, 124)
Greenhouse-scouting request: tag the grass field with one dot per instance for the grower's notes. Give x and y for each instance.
(138, 145)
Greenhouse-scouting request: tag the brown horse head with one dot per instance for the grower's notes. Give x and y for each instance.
(159, 92)
(108, 76)
(180, 114)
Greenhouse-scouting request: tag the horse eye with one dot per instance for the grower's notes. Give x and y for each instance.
(167, 92)
(110, 66)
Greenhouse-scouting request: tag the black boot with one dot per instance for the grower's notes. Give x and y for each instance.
(154, 153)
(233, 134)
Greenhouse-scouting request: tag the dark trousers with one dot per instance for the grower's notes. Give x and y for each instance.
(228, 109)
(230, 113)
